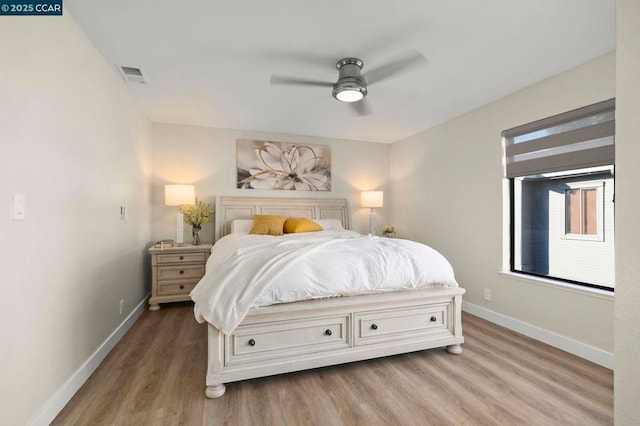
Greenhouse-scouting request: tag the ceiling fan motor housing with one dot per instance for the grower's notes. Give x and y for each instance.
(349, 79)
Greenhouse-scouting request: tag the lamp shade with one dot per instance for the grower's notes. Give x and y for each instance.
(177, 195)
(372, 199)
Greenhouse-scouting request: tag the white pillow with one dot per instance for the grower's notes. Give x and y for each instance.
(241, 225)
(330, 224)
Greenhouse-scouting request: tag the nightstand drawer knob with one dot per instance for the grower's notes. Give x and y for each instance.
(252, 342)
(328, 332)
(181, 272)
(181, 257)
(374, 326)
(181, 286)
(434, 319)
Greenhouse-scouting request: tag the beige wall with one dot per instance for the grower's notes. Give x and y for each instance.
(74, 143)
(447, 191)
(627, 312)
(206, 157)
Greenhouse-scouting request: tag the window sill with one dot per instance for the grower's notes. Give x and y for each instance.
(560, 285)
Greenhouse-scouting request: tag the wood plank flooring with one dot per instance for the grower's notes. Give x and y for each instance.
(155, 376)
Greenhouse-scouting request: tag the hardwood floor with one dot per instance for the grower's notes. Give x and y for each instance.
(155, 376)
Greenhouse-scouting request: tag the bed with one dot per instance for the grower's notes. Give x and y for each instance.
(320, 331)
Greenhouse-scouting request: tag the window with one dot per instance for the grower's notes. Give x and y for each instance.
(561, 179)
(581, 212)
(584, 212)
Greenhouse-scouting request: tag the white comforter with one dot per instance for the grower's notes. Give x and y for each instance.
(258, 270)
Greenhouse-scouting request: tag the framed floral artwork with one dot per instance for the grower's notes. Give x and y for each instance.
(285, 166)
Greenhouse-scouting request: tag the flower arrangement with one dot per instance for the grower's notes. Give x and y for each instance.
(388, 231)
(198, 214)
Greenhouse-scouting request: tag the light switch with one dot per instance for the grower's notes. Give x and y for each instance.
(18, 206)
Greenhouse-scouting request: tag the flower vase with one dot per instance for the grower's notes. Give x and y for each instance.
(195, 233)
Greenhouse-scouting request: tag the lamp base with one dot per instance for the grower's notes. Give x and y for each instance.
(372, 230)
(179, 229)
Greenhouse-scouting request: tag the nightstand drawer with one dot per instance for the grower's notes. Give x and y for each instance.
(180, 258)
(181, 272)
(181, 287)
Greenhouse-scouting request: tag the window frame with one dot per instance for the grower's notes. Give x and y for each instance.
(512, 245)
(603, 155)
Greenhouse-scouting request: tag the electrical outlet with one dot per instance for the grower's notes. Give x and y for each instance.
(487, 294)
(121, 306)
(124, 215)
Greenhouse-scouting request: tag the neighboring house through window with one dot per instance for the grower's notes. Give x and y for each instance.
(584, 215)
(581, 212)
(561, 175)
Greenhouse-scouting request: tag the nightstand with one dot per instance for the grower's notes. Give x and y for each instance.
(175, 271)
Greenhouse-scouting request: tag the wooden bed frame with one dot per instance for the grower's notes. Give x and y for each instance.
(315, 333)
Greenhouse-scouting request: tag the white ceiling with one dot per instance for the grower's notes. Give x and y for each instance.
(209, 62)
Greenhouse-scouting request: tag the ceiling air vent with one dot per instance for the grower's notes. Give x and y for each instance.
(132, 74)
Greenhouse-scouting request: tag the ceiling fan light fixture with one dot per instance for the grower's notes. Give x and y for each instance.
(349, 94)
(351, 87)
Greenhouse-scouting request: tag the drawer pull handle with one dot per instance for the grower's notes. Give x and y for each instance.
(181, 272)
(328, 332)
(434, 319)
(181, 286)
(181, 257)
(252, 342)
(374, 326)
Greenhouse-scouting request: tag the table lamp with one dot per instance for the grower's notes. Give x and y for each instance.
(179, 195)
(372, 199)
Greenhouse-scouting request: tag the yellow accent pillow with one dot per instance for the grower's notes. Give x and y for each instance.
(300, 224)
(267, 224)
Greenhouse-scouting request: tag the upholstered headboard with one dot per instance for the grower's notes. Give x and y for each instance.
(231, 208)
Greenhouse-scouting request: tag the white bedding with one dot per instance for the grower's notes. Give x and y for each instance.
(246, 270)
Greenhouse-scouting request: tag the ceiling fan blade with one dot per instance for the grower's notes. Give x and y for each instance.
(411, 59)
(294, 81)
(362, 107)
(299, 57)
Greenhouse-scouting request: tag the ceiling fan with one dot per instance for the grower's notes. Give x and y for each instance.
(352, 86)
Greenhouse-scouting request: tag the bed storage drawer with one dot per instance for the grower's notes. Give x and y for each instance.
(292, 337)
(402, 323)
(264, 341)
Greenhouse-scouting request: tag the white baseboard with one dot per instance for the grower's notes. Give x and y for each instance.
(57, 402)
(566, 344)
